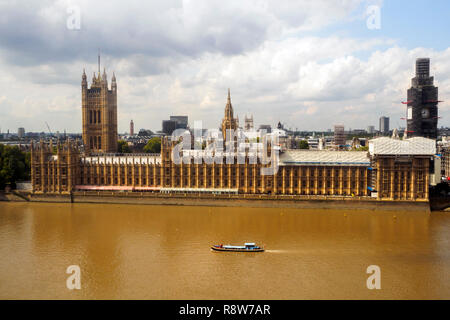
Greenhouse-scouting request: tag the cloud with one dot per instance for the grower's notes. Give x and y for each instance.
(179, 57)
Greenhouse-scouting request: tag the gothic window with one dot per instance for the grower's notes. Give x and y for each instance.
(95, 117)
(98, 117)
(90, 116)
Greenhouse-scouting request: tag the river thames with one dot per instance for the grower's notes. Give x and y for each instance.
(163, 252)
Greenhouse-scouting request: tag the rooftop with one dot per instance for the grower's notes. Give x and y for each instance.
(324, 157)
(411, 146)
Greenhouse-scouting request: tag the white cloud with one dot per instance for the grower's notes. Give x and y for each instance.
(179, 57)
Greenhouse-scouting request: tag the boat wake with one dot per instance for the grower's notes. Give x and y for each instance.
(277, 251)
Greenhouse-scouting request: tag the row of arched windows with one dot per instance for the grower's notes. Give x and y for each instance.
(95, 142)
(95, 116)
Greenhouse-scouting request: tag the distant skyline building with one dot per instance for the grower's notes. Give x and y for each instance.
(182, 121)
(422, 101)
(21, 133)
(169, 126)
(131, 128)
(339, 135)
(370, 129)
(384, 124)
(266, 127)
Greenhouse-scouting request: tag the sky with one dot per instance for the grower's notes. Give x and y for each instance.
(308, 64)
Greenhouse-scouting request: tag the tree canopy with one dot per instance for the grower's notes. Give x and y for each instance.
(303, 144)
(361, 148)
(153, 145)
(14, 165)
(123, 147)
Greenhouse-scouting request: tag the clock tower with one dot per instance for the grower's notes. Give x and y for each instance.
(422, 111)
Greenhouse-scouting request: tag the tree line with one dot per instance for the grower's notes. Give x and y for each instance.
(153, 146)
(15, 165)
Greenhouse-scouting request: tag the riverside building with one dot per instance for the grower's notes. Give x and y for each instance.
(393, 169)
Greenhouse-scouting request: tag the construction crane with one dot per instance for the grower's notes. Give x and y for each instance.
(50, 131)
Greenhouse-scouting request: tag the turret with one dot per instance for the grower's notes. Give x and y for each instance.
(84, 80)
(104, 78)
(113, 83)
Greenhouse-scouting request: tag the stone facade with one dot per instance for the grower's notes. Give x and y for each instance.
(99, 112)
(65, 169)
(68, 170)
(393, 169)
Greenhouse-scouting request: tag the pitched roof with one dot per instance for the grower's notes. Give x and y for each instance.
(411, 146)
(324, 157)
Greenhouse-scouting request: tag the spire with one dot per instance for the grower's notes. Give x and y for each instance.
(113, 82)
(229, 107)
(83, 77)
(99, 61)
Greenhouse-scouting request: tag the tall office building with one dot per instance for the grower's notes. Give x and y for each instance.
(169, 126)
(422, 111)
(182, 121)
(384, 124)
(339, 136)
(99, 110)
(131, 128)
(21, 133)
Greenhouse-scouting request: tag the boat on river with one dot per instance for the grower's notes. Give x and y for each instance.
(247, 247)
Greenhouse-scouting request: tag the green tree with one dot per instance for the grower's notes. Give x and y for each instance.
(362, 149)
(14, 165)
(303, 144)
(123, 147)
(153, 145)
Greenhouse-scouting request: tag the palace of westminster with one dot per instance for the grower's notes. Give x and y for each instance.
(392, 169)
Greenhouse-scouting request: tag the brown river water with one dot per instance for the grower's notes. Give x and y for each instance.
(163, 252)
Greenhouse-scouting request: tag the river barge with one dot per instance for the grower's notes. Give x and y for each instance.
(247, 247)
